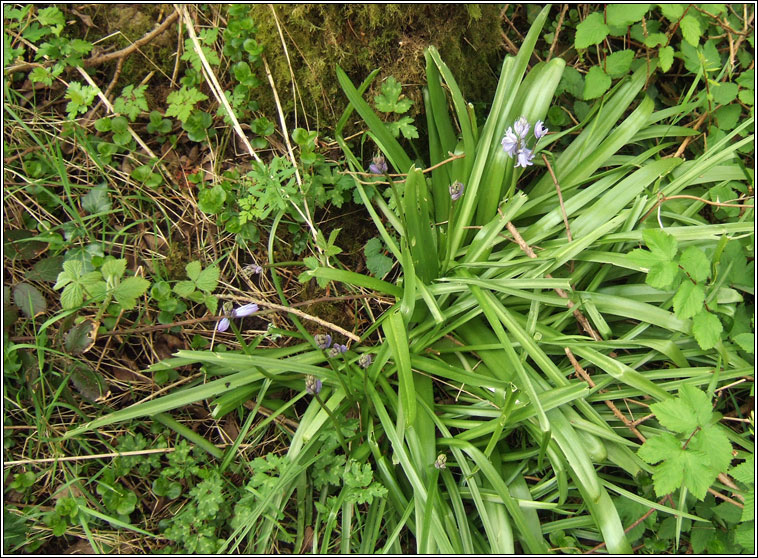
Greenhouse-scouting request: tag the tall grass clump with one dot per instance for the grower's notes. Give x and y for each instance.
(559, 294)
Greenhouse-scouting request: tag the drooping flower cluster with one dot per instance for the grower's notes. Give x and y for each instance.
(312, 384)
(514, 141)
(378, 165)
(337, 350)
(241, 312)
(456, 190)
(365, 360)
(323, 340)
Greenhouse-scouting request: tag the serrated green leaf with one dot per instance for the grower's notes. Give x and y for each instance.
(660, 447)
(660, 243)
(698, 475)
(748, 512)
(706, 328)
(591, 31)
(665, 58)
(72, 296)
(728, 116)
(746, 341)
(389, 99)
(662, 275)
(724, 92)
(572, 82)
(129, 290)
(672, 12)
(744, 535)
(668, 476)
(745, 471)
(193, 270)
(695, 263)
(97, 200)
(688, 300)
(208, 279)
(698, 401)
(47, 269)
(113, 268)
(184, 288)
(596, 82)
(691, 31)
(623, 15)
(618, 63)
(675, 415)
(29, 300)
(655, 39)
(715, 444)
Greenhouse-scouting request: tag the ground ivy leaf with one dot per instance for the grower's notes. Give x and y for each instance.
(596, 82)
(691, 30)
(675, 415)
(618, 63)
(623, 15)
(591, 31)
(688, 300)
(695, 263)
(666, 58)
(746, 341)
(706, 328)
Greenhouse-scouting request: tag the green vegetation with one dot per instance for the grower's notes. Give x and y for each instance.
(392, 289)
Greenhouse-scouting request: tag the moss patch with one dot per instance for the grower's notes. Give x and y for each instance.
(361, 38)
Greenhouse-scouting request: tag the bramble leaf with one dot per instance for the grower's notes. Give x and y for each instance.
(208, 279)
(660, 243)
(706, 328)
(695, 263)
(688, 300)
(676, 415)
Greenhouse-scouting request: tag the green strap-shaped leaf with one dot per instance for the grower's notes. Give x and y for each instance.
(397, 339)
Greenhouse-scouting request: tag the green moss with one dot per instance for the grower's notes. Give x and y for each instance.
(361, 38)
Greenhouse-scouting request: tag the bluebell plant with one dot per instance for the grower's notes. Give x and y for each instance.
(514, 141)
(241, 312)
